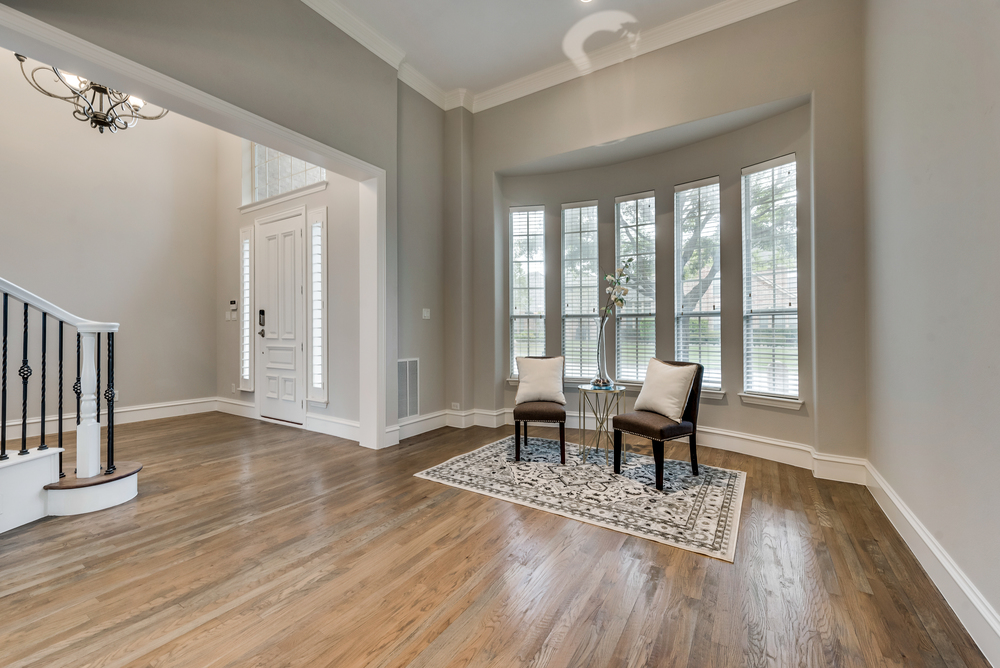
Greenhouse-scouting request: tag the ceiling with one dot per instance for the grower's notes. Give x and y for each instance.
(478, 53)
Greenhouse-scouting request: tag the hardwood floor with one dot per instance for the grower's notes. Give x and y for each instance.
(253, 544)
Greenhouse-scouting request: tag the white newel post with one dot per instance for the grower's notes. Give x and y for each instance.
(88, 433)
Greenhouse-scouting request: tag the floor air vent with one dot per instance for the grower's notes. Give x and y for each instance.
(409, 393)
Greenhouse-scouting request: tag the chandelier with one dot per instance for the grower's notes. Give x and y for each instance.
(105, 108)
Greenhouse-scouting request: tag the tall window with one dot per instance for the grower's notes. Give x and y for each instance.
(770, 279)
(316, 232)
(245, 306)
(276, 173)
(635, 218)
(697, 315)
(527, 283)
(581, 288)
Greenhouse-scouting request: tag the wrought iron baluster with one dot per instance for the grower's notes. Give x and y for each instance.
(97, 395)
(3, 392)
(25, 373)
(45, 336)
(61, 350)
(109, 396)
(77, 388)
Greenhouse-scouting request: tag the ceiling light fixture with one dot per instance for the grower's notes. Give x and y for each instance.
(104, 107)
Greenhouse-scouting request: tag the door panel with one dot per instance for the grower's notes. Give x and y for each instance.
(280, 287)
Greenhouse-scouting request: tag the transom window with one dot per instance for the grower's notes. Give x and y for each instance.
(697, 278)
(770, 279)
(276, 173)
(635, 221)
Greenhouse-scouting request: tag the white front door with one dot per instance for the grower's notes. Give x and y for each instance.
(280, 315)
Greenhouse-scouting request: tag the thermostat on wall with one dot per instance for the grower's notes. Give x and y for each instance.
(232, 305)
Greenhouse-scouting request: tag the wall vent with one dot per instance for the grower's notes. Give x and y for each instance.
(409, 388)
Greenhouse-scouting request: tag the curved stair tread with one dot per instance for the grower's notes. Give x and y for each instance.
(122, 470)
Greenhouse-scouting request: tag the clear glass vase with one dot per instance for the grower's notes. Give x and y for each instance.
(601, 379)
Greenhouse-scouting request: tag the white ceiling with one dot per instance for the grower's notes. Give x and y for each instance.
(480, 53)
(481, 44)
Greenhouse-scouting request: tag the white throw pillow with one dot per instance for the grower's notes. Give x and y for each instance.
(540, 380)
(666, 389)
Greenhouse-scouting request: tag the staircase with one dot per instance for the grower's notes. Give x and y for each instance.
(32, 481)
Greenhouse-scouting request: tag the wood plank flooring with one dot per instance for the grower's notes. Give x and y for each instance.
(258, 545)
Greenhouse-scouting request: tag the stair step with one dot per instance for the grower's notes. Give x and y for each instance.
(122, 470)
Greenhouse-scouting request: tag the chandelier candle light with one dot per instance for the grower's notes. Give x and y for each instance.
(104, 107)
(616, 292)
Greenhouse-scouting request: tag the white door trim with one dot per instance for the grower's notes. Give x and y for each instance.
(37, 39)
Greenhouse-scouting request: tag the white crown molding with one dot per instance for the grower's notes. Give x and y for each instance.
(365, 35)
(697, 23)
(412, 77)
(460, 97)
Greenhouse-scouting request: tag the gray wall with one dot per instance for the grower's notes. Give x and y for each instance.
(933, 111)
(421, 242)
(722, 156)
(810, 46)
(116, 228)
(275, 58)
(341, 200)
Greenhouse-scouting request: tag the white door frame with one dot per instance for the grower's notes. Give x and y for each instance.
(300, 383)
(39, 40)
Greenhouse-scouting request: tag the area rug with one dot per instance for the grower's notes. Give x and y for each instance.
(697, 513)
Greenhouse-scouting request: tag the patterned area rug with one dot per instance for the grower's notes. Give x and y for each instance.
(696, 513)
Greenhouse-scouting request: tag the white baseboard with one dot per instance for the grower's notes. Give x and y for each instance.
(123, 415)
(419, 424)
(975, 612)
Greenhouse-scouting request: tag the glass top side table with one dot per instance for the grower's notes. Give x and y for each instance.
(603, 403)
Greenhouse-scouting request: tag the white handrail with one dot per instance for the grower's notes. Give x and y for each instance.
(81, 324)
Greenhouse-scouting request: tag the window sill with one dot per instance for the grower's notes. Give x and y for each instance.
(284, 197)
(771, 402)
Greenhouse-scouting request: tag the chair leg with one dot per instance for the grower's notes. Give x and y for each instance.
(562, 443)
(658, 458)
(694, 455)
(517, 440)
(618, 451)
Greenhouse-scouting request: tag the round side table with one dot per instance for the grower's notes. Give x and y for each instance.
(603, 403)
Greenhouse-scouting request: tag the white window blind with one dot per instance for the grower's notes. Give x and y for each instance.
(581, 289)
(276, 173)
(317, 305)
(697, 280)
(770, 279)
(635, 221)
(527, 283)
(245, 309)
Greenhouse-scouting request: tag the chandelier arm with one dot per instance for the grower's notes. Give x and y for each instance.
(144, 117)
(78, 94)
(30, 78)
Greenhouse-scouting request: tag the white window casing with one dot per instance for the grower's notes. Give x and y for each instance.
(317, 315)
(770, 278)
(527, 283)
(697, 278)
(581, 288)
(635, 324)
(247, 338)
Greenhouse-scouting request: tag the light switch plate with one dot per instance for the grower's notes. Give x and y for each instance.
(455, 406)
(427, 314)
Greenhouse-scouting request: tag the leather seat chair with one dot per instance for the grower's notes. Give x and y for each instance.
(659, 428)
(539, 411)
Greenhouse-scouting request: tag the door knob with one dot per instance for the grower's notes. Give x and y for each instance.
(261, 332)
